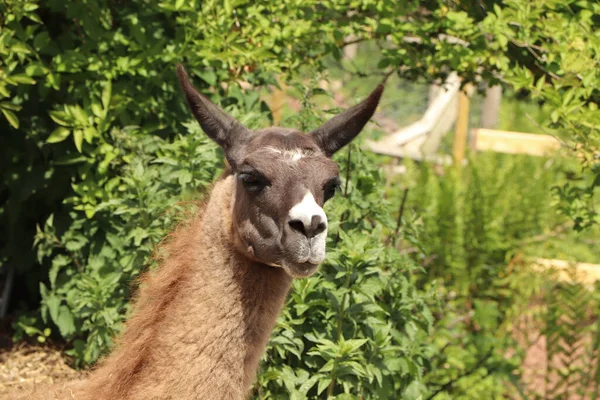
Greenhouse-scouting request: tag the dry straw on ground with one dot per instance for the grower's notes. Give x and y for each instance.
(25, 366)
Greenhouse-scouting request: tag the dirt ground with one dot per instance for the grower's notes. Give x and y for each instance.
(24, 366)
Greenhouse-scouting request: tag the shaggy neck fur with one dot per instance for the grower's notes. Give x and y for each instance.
(201, 321)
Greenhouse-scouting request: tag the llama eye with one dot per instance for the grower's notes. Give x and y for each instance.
(248, 178)
(252, 181)
(330, 188)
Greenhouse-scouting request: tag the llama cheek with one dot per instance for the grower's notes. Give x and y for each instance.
(266, 250)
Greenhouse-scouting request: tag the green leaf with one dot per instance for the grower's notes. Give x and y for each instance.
(78, 138)
(10, 106)
(106, 95)
(207, 75)
(58, 135)
(352, 345)
(29, 330)
(52, 274)
(3, 91)
(29, 7)
(36, 69)
(323, 385)
(97, 109)
(21, 48)
(59, 117)
(11, 117)
(138, 234)
(80, 115)
(22, 78)
(89, 132)
(65, 321)
(53, 304)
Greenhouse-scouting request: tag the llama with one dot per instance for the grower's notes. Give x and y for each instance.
(202, 320)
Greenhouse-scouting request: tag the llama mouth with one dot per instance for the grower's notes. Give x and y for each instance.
(300, 270)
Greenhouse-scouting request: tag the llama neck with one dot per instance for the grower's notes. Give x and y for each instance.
(202, 320)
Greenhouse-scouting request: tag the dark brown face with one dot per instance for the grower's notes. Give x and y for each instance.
(282, 179)
(281, 186)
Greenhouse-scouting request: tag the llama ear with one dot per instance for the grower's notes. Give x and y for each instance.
(341, 129)
(230, 134)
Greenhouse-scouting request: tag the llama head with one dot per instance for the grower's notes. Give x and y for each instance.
(282, 179)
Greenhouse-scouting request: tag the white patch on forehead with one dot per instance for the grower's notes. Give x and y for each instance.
(295, 155)
(306, 209)
(291, 155)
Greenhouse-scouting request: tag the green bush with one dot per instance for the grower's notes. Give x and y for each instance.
(478, 225)
(472, 222)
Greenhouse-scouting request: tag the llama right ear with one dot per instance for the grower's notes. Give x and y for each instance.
(341, 129)
(221, 127)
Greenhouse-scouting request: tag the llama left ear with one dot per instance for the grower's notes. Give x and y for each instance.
(230, 134)
(341, 129)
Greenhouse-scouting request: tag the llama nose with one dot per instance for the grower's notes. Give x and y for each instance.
(316, 226)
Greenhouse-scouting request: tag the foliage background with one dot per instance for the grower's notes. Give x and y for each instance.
(97, 153)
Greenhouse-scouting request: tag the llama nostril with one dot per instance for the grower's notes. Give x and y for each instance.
(317, 225)
(297, 225)
(320, 228)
